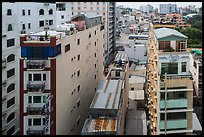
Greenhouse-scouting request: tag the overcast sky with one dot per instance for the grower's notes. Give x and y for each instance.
(156, 4)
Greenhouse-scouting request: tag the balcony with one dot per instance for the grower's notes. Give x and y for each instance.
(36, 110)
(36, 131)
(173, 124)
(174, 103)
(35, 64)
(36, 87)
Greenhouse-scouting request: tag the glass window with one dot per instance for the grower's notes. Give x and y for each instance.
(23, 27)
(43, 121)
(78, 88)
(78, 57)
(36, 121)
(10, 88)
(41, 12)
(10, 73)
(78, 103)
(78, 73)
(10, 27)
(9, 12)
(29, 122)
(10, 42)
(104, 8)
(36, 99)
(62, 17)
(11, 130)
(67, 47)
(28, 12)
(23, 12)
(44, 77)
(29, 25)
(29, 99)
(98, 8)
(11, 102)
(10, 58)
(183, 66)
(78, 41)
(44, 99)
(169, 68)
(50, 22)
(97, 3)
(41, 23)
(29, 77)
(11, 117)
(50, 12)
(36, 77)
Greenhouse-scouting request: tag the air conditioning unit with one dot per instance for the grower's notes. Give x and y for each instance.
(4, 36)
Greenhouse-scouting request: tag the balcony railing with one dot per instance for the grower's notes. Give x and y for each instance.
(174, 103)
(36, 87)
(35, 64)
(36, 110)
(36, 132)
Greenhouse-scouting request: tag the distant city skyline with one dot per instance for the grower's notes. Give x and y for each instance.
(156, 4)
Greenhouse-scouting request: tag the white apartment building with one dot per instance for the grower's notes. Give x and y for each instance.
(17, 18)
(107, 10)
(146, 9)
(168, 8)
(63, 12)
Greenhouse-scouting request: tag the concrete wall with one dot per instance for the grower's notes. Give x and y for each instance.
(66, 84)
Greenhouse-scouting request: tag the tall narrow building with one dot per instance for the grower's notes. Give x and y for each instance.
(170, 87)
(59, 74)
(107, 11)
(18, 18)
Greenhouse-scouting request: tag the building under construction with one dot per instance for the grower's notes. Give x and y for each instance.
(109, 105)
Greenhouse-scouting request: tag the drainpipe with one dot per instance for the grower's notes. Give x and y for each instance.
(165, 118)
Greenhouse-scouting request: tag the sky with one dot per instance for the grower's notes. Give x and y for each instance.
(156, 4)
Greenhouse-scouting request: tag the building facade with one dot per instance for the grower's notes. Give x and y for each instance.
(168, 8)
(54, 97)
(146, 9)
(170, 87)
(107, 11)
(17, 18)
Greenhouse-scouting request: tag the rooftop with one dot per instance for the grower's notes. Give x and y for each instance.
(166, 32)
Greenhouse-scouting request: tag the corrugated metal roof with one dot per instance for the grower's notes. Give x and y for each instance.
(108, 95)
(166, 32)
(100, 124)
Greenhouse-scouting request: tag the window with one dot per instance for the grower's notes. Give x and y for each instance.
(11, 117)
(23, 12)
(104, 3)
(98, 8)
(78, 41)
(79, 8)
(104, 8)
(11, 130)
(41, 12)
(29, 122)
(50, 12)
(89, 35)
(78, 103)
(29, 99)
(29, 77)
(44, 77)
(36, 121)
(41, 23)
(44, 99)
(78, 88)
(67, 48)
(95, 32)
(10, 88)
(95, 65)
(10, 58)
(169, 68)
(10, 73)
(97, 3)
(78, 57)
(95, 43)
(43, 121)
(104, 15)
(78, 73)
(36, 77)
(132, 89)
(10, 42)
(117, 73)
(23, 27)
(29, 26)
(28, 12)
(50, 22)
(11, 102)
(95, 76)
(36, 99)
(62, 17)
(9, 12)
(91, 8)
(95, 54)
(79, 3)
(10, 27)
(183, 66)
